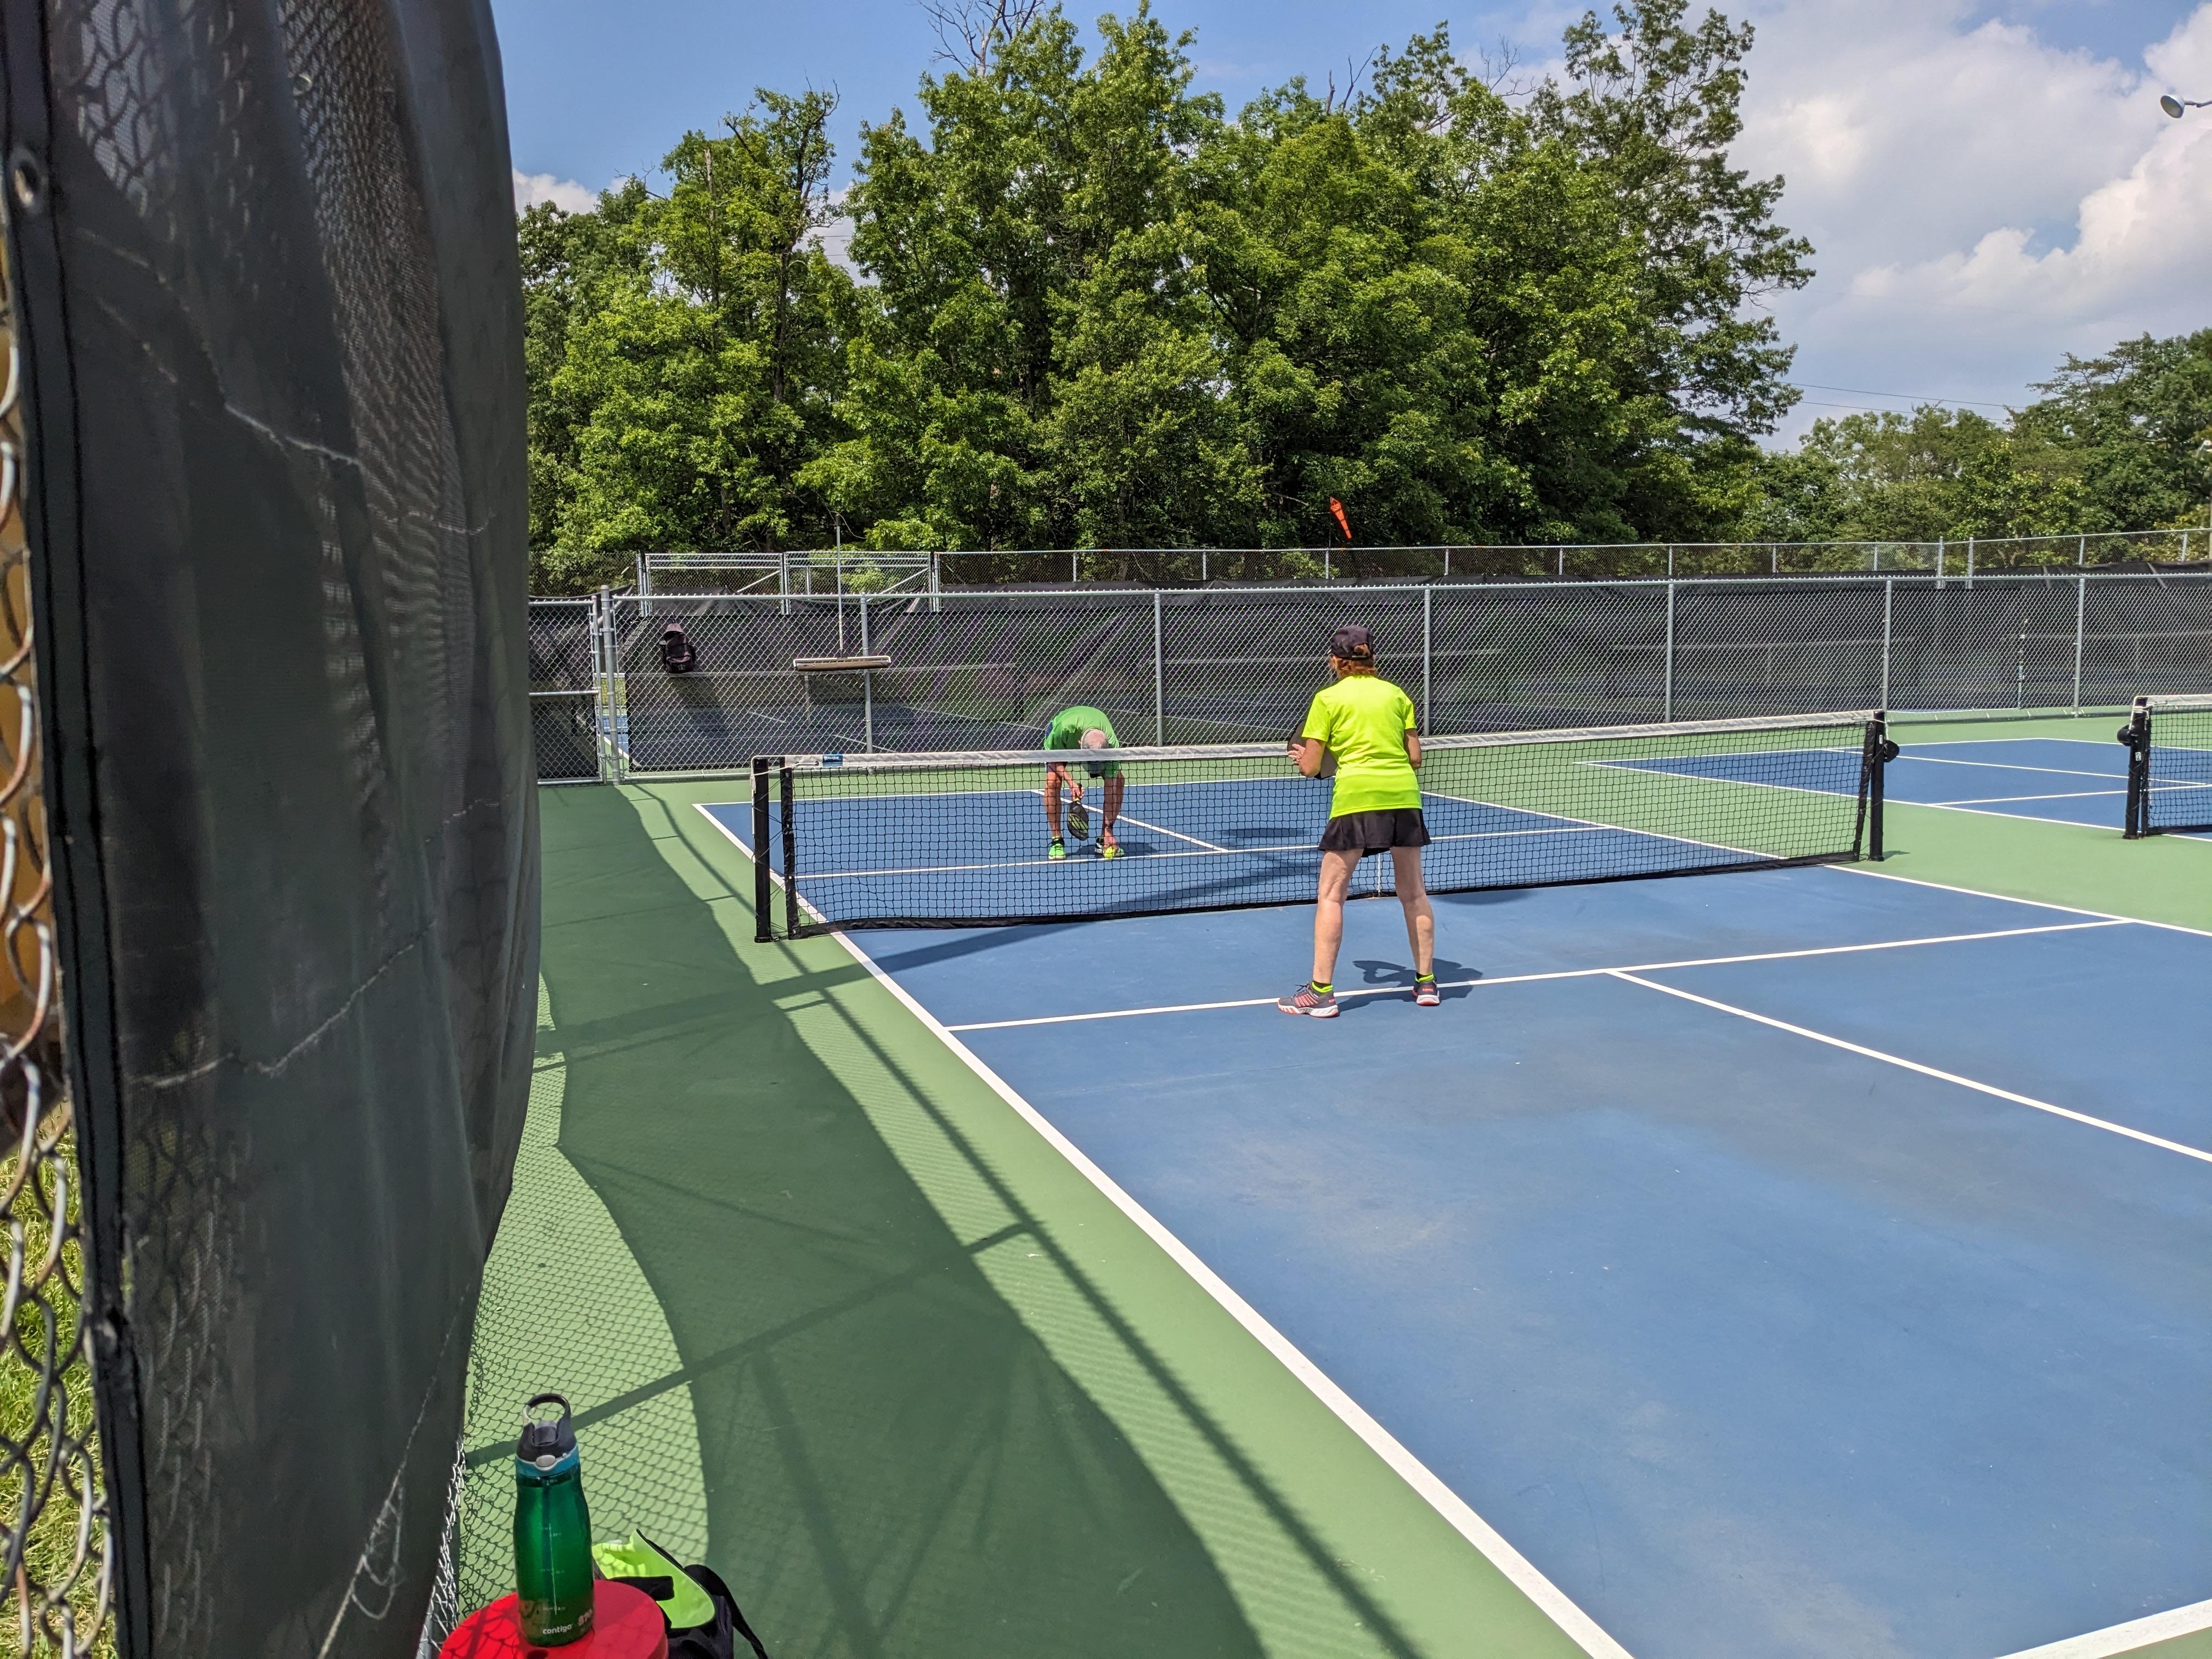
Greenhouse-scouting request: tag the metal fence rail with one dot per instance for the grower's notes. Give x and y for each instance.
(985, 670)
(828, 571)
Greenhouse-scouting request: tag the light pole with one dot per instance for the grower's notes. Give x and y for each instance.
(2173, 105)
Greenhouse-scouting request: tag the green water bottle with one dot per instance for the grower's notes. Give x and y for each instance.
(552, 1530)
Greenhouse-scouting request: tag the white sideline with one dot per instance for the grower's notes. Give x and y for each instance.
(2159, 1141)
(1509, 1562)
(1530, 979)
(2116, 1640)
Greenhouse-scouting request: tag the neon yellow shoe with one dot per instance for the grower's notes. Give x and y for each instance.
(1057, 850)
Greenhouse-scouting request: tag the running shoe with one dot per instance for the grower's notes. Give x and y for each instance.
(1425, 994)
(1057, 850)
(1316, 1005)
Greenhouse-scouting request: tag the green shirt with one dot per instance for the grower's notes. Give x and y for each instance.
(1364, 720)
(1068, 726)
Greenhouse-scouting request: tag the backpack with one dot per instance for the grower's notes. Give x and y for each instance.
(677, 654)
(718, 1638)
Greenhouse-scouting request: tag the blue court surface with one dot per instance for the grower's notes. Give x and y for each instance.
(2057, 780)
(1793, 1262)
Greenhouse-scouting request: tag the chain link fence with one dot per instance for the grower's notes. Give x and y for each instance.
(987, 670)
(56, 1576)
(565, 722)
(826, 573)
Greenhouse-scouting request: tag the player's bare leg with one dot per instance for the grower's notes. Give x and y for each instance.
(1336, 870)
(1420, 920)
(1106, 837)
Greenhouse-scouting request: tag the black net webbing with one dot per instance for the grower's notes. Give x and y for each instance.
(270, 306)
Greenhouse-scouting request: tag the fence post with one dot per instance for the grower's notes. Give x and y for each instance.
(783, 577)
(1670, 566)
(1159, 677)
(867, 686)
(2080, 623)
(1773, 560)
(603, 652)
(1970, 561)
(1428, 651)
(1667, 702)
(1877, 570)
(1563, 564)
(1074, 566)
(1939, 561)
(2083, 557)
(1889, 595)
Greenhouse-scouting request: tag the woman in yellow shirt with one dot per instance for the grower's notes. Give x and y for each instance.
(1368, 727)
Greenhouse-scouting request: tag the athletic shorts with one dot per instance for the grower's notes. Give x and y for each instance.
(1376, 832)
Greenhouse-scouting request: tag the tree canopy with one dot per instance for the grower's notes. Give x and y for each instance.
(1085, 306)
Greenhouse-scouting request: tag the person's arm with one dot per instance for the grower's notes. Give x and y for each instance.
(1413, 747)
(1309, 753)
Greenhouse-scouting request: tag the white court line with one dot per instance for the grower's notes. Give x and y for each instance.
(2017, 817)
(1990, 1089)
(1162, 829)
(1990, 800)
(2009, 766)
(2117, 1640)
(1531, 979)
(1516, 1568)
(2007, 898)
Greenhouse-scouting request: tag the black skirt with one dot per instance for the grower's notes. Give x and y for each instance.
(1376, 832)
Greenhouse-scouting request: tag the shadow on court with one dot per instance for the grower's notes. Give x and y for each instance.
(892, 1463)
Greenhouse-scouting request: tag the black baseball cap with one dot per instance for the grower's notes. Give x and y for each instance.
(1352, 642)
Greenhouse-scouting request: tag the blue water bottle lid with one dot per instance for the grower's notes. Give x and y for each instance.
(543, 1443)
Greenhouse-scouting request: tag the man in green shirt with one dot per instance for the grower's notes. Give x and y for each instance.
(1367, 727)
(1081, 728)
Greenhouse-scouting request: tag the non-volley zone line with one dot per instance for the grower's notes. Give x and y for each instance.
(1629, 977)
(1559, 974)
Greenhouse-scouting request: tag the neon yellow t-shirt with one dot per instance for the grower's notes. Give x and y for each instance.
(1364, 720)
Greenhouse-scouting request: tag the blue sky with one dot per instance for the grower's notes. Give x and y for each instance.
(1988, 186)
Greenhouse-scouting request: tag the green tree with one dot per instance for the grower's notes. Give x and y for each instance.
(1934, 474)
(2138, 418)
(1654, 109)
(695, 367)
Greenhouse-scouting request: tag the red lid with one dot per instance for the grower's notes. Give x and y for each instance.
(626, 1624)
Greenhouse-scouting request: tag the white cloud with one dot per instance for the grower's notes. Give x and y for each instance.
(1981, 202)
(532, 188)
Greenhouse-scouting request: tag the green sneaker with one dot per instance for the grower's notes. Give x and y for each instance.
(1057, 850)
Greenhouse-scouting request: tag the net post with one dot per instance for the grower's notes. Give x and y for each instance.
(763, 885)
(2080, 635)
(1668, 697)
(2136, 735)
(790, 855)
(1159, 677)
(1877, 766)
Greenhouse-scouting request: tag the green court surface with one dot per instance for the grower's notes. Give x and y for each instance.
(837, 1318)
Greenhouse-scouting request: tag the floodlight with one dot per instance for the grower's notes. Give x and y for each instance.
(2173, 105)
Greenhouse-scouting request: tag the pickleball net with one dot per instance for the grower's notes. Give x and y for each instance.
(2169, 742)
(961, 840)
